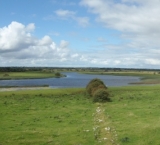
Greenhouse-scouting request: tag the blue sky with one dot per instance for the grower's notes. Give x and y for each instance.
(80, 33)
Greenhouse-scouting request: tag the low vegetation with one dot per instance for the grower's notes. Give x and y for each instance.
(67, 116)
(97, 90)
(58, 116)
(93, 85)
(29, 75)
(101, 95)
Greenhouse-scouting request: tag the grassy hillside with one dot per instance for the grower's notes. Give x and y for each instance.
(67, 116)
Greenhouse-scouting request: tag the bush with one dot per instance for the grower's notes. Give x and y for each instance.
(101, 95)
(57, 74)
(94, 85)
(98, 91)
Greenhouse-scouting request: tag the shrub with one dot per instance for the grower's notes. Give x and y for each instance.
(101, 95)
(94, 85)
(57, 74)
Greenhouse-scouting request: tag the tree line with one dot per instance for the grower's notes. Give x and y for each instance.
(19, 69)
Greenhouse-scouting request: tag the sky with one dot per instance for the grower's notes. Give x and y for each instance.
(80, 33)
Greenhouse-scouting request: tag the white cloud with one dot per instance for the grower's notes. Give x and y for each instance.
(19, 47)
(139, 17)
(30, 27)
(138, 22)
(153, 61)
(67, 14)
(64, 44)
(82, 21)
(64, 13)
(46, 40)
(16, 36)
(18, 43)
(75, 55)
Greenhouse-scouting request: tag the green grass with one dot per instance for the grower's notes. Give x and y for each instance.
(134, 113)
(46, 117)
(26, 75)
(68, 117)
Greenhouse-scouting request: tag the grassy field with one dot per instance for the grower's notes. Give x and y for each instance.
(134, 113)
(147, 77)
(68, 117)
(26, 75)
(46, 117)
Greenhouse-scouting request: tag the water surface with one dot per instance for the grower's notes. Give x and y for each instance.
(72, 79)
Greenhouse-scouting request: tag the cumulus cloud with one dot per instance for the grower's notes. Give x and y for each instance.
(19, 47)
(18, 43)
(16, 36)
(67, 14)
(46, 40)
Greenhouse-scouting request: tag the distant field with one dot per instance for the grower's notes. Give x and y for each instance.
(67, 116)
(147, 77)
(26, 75)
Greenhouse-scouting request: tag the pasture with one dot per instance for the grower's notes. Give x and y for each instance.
(68, 116)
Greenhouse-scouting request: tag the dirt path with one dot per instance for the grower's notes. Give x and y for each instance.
(103, 133)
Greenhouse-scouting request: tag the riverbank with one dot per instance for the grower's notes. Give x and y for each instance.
(146, 77)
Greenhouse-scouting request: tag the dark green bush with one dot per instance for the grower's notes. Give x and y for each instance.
(101, 95)
(57, 74)
(94, 85)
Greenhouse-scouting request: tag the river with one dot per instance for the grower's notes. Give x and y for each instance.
(71, 80)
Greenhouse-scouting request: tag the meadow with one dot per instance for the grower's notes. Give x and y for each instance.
(69, 117)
